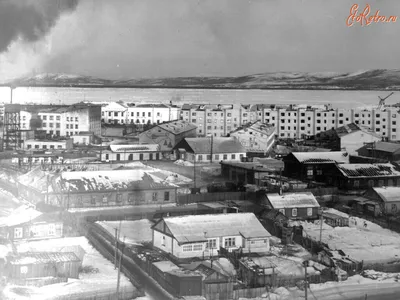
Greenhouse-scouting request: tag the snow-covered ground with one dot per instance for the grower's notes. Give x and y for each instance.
(372, 244)
(134, 232)
(102, 282)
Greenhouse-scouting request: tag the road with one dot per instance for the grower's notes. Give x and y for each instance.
(365, 291)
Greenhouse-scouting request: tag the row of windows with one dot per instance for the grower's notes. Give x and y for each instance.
(29, 146)
(217, 156)
(51, 118)
(294, 211)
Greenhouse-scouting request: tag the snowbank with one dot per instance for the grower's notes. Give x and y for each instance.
(371, 244)
(184, 163)
(135, 232)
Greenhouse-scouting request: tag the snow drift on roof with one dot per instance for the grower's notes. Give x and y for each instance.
(292, 200)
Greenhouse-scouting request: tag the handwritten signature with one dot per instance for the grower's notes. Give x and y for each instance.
(364, 17)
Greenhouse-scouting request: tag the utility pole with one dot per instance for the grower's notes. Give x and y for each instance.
(194, 169)
(212, 142)
(320, 231)
(116, 248)
(119, 267)
(305, 263)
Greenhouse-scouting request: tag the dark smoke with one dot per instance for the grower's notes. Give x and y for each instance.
(29, 19)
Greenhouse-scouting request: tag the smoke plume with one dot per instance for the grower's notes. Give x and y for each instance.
(29, 20)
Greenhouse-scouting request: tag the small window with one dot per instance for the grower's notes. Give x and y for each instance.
(155, 196)
(187, 248)
(294, 212)
(233, 156)
(230, 242)
(309, 211)
(119, 198)
(225, 157)
(198, 247)
(211, 244)
(356, 183)
(166, 196)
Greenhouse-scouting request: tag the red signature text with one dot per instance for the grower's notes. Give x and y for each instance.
(364, 17)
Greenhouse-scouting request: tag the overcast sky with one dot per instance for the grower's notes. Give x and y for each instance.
(152, 38)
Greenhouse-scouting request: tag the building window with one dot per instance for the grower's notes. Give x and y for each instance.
(199, 157)
(166, 196)
(309, 211)
(356, 183)
(51, 229)
(233, 156)
(319, 172)
(225, 157)
(370, 183)
(380, 183)
(309, 172)
(93, 199)
(198, 247)
(216, 156)
(18, 233)
(119, 197)
(211, 244)
(155, 196)
(187, 248)
(230, 242)
(294, 212)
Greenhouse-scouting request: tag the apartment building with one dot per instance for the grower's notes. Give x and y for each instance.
(130, 113)
(63, 120)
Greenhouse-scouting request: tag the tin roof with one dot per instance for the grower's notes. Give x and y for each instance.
(165, 266)
(322, 157)
(177, 126)
(109, 180)
(258, 126)
(135, 148)
(368, 170)
(197, 228)
(31, 258)
(292, 200)
(388, 194)
(384, 147)
(219, 145)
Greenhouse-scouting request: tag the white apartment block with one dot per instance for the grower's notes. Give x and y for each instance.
(119, 113)
(64, 120)
(291, 121)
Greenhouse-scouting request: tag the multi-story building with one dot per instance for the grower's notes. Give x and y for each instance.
(66, 144)
(256, 136)
(121, 113)
(152, 113)
(63, 120)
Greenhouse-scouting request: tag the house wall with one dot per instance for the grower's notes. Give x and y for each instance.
(113, 198)
(38, 144)
(151, 114)
(36, 231)
(163, 242)
(83, 139)
(354, 141)
(206, 157)
(390, 208)
(361, 183)
(302, 213)
(53, 269)
(131, 156)
(254, 140)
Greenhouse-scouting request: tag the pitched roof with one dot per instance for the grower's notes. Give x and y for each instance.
(266, 129)
(135, 148)
(219, 145)
(351, 128)
(109, 180)
(385, 147)
(177, 127)
(388, 194)
(322, 157)
(368, 170)
(292, 200)
(189, 229)
(30, 258)
(22, 214)
(37, 179)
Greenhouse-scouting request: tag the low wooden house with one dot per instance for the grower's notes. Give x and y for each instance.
(29, 224)
(215, 284)
(363, 176)
(298, 206)
(387, 198)
(44, 264)
(335, 220)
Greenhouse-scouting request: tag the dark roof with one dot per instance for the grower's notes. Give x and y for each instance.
(31, 258)
(321, 157)
(384, 147)
(369, 170)
(219, 145)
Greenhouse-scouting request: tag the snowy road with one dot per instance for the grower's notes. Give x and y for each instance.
(374, 291)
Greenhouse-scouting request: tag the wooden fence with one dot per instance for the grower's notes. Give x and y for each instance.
(212, 197)
(248, 293)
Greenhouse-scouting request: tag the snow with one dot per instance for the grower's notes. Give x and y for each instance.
(149, 206)
(371, 244)
(183, 163)
(89, 283)
(135, 232)
(20, 215)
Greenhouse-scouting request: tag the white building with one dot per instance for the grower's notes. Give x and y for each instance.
(203, 235)
(152, 113)
(114, 112)
(256, 136)
(63, 120)
(132, 153)
(66, 144)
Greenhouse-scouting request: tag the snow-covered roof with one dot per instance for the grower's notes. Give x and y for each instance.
(388, 194)
(177, 126)
(114, 106)
(188, 229)
(37, 179)
(109, 180)
(21, 215)
(215, 145)
(369, 170)
(165, 266)
(44, 258)
(292, 200)
(135, 148)
(322, 157)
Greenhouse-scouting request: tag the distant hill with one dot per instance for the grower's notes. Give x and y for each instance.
(362, 80)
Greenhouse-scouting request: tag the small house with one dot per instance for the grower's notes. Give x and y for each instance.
(29, 224)
(388, 198)
(204, 235)
(298, 206)
(210, 149)
(136, 152)
(383, 150)
(335, 220)
(313, 166)
(363, 176)
(44, 264)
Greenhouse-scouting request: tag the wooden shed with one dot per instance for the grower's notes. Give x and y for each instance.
(44, 264)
